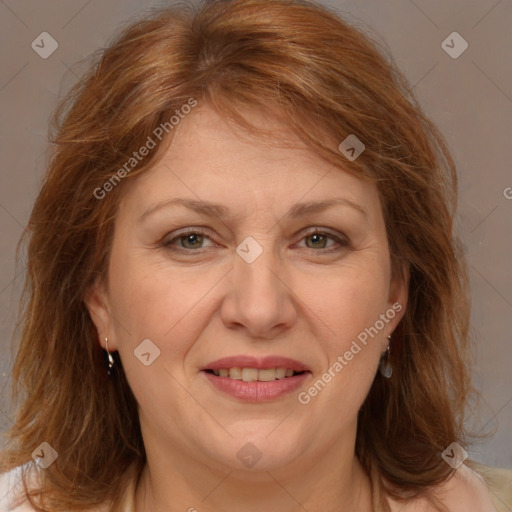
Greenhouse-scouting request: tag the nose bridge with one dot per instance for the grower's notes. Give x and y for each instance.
(255, 267)
(259, 300)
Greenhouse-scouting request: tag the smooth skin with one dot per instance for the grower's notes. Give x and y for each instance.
(306, 297)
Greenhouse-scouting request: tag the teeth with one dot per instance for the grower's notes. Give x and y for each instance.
(253, 374)
(235, 373)
(267, 375)
(280, 373)
(249, 374)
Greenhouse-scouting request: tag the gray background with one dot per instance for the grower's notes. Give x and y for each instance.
(469, 98)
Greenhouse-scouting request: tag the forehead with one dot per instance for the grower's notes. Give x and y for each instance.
(205, 134)
(213, 160)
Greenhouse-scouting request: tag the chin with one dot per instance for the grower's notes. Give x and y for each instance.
(263, 450)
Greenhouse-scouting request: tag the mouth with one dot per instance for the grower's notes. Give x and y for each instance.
(250, 379)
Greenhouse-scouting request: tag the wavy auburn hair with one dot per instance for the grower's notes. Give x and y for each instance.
(326, 80)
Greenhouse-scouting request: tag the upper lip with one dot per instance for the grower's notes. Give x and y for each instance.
(260, 363)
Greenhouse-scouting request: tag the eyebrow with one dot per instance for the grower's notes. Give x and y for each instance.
(220, 211)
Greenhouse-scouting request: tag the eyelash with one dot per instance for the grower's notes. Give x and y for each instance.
(198, 231)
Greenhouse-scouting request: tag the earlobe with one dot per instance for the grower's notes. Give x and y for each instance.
(96, 301)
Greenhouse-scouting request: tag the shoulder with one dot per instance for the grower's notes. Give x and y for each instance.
(499, 482)
(467, 490)
(12, 492)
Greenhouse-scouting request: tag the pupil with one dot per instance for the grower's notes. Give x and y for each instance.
(192, 239)
(316, 238)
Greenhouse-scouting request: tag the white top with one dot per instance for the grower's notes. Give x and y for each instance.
(489, 490)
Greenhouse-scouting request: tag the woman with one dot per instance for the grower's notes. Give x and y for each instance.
(244, 289)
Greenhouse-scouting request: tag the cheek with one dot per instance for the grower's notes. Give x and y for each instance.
(354, 334)
(156, 302)
(354, 311)
(352, 308)
(168, 307)
(351, 299)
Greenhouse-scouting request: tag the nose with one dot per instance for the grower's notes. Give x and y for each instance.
(259, 301)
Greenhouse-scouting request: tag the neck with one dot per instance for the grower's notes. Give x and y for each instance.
(335, 482)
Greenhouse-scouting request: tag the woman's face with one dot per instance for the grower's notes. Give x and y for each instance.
(273, 278)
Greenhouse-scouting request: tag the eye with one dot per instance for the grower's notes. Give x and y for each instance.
(192, 240)
(187, 241)
(319, 239)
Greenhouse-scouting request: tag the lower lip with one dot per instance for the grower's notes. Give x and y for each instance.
(257, 391)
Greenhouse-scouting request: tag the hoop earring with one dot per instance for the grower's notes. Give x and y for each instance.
(110, 362)
(385, 367)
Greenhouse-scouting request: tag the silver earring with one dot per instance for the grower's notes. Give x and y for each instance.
(385, 367)
(110, 358)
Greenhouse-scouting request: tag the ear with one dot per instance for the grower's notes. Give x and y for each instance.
(97, 304)
(398, 294)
